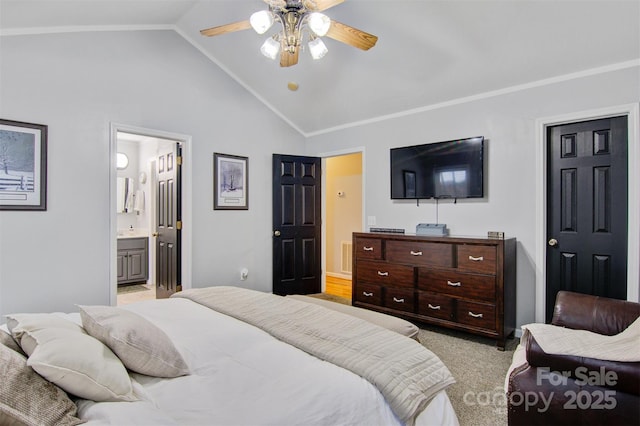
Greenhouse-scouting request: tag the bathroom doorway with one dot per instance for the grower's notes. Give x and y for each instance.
(135, 269)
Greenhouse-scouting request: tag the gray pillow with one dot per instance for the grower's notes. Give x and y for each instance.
(28, 399)
(141, 346)
(8, 340)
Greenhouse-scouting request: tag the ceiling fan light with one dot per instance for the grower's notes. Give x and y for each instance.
(317, 48)
(270, 48)
(319, 23)
(261, 21)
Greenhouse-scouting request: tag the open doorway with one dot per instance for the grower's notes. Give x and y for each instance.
(134, 225)
(343, 216)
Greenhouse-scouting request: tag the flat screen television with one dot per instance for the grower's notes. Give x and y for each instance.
(450, 169)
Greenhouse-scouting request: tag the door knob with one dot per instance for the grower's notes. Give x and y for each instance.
(276, 233)
(553, 242)
(155, 234)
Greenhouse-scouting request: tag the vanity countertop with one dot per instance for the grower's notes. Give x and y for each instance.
(136, 233)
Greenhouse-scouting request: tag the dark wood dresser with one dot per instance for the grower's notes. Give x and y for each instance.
(461, 283)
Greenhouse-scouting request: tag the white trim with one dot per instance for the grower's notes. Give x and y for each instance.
(187, 202)
(83, 29)
(339, 275)
(632, 111)
(485, 95)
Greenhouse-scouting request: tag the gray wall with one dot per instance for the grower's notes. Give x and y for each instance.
(80, 83)
(508, 122)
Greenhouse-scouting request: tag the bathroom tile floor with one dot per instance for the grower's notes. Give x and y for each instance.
(135, 293)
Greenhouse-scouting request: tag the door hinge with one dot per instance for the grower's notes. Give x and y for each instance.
(179, 160)
(179, 225)
(179, 287)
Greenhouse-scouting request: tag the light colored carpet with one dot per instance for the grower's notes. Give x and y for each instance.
(478, 367)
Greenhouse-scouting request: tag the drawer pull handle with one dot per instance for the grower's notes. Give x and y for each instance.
(476, 259)
(456, 284)
(383, 274)
(367, 248)
(416, 253)
(398, 300)
(435, 308)
(364, 293)
(475, 315)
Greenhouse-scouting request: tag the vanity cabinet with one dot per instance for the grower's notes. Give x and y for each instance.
(132, 260)
(465, 284)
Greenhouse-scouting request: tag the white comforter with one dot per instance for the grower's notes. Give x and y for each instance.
(243, 376)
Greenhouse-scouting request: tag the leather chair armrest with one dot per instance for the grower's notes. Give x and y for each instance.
(534, 403)
(622, 376)
(598, 314)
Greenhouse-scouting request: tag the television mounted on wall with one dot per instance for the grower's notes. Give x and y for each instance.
(449, 169)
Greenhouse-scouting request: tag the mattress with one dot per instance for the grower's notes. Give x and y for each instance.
(241, 375)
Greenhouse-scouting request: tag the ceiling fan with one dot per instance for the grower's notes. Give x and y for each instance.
(297, 17)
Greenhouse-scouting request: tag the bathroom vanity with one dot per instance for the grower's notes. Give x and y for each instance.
(132, 260)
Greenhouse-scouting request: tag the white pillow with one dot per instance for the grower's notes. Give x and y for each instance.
(141, 346)
(19, 324)
(61, 352)
(80, 364)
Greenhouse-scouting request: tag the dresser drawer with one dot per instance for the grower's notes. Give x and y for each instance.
(471, 286)
(368, 248)
(420, 253)
(385, 273)
(368, 293)
(481, 315)
(401, 299)
(477, 258)
(435, 305)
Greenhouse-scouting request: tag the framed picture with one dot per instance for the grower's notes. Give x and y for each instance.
(409, 184)
(23, 166)
(230, 182)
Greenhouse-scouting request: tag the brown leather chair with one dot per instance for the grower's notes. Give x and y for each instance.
(536, 396)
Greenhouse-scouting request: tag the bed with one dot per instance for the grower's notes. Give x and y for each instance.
(217, 356)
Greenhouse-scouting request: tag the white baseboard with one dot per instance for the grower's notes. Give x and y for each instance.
(339, 275)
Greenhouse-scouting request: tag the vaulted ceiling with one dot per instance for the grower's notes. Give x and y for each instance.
(429, 53)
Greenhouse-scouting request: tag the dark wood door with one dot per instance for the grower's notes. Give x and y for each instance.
(296, 225)
(168, 224)
(587, 209)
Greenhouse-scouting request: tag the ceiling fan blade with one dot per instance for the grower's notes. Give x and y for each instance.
(351, 36)
(228, 28)
(325, 4)
(288, 59)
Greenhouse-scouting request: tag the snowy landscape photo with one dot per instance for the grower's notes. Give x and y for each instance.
(22, 165)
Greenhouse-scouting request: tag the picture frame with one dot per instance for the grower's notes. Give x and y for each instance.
(23, 166)
(230, 182)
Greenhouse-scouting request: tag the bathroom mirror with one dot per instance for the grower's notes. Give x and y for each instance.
(124, 194)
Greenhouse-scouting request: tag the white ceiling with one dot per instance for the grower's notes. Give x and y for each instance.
(429, 53)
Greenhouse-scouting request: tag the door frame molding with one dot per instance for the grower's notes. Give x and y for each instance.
(187, 202)
(323, 157)
(632, 112)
